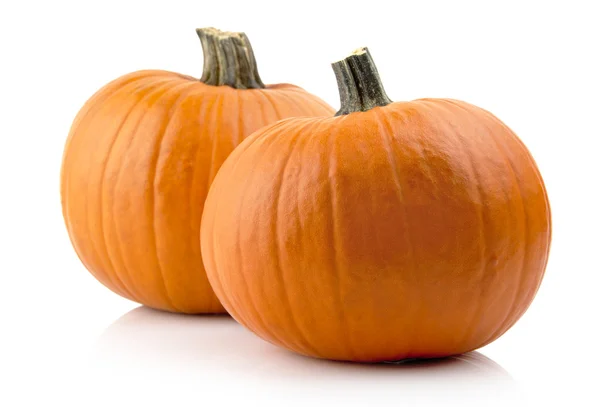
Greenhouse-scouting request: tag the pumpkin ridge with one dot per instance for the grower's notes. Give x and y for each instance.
(538, 175)
(533, 290)
(99, 97)
(216, 276)
(303, 129)
(492, 336)
(335, 238)
(382, 119)
(250, 295)
(483, 239)
(87, 113)
(216, 111)
(128, 285)
(465, 111)
(163, 87)
(102, 255)
(118, 251)
(224, 298)
(272, 115)
(511, 310)
(531, 293)
(273, 104)
(238, 249)
(193, 189)
(256, 319)
(303, 142)
(186, 92)
(240, 314)
(193, 192)
(152, 176)
(237, 136)
(506, 160)
(106, 253)
(275, 239)
(228, 302)
(208, 186)
(253, 308)
(310, 127)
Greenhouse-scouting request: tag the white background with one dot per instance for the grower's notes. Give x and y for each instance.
(67, 340)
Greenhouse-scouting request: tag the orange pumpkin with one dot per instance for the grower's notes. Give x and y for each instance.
(393, 230)
(139, 160)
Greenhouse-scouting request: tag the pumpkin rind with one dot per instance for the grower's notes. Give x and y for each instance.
(415, 230)
(137, 165)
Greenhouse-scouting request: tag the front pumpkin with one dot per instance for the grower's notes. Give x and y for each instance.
(140, 158)
(391, 231)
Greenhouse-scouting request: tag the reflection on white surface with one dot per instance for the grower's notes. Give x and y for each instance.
(160, 344)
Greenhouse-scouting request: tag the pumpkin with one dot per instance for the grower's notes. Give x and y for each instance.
(389, 231)
(140, 157)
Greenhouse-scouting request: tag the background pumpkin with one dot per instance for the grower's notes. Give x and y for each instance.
(140, 157)
(393, 230)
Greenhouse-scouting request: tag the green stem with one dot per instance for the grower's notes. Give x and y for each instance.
(228, 60)
(359, 83)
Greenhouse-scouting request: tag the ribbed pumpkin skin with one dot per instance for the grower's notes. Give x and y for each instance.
(415, 230)
(137, 166)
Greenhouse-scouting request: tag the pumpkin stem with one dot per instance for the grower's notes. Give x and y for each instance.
(228, 59)
(359, 83)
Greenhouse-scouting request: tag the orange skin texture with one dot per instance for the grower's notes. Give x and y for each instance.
(137, 166)
(416, 230)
